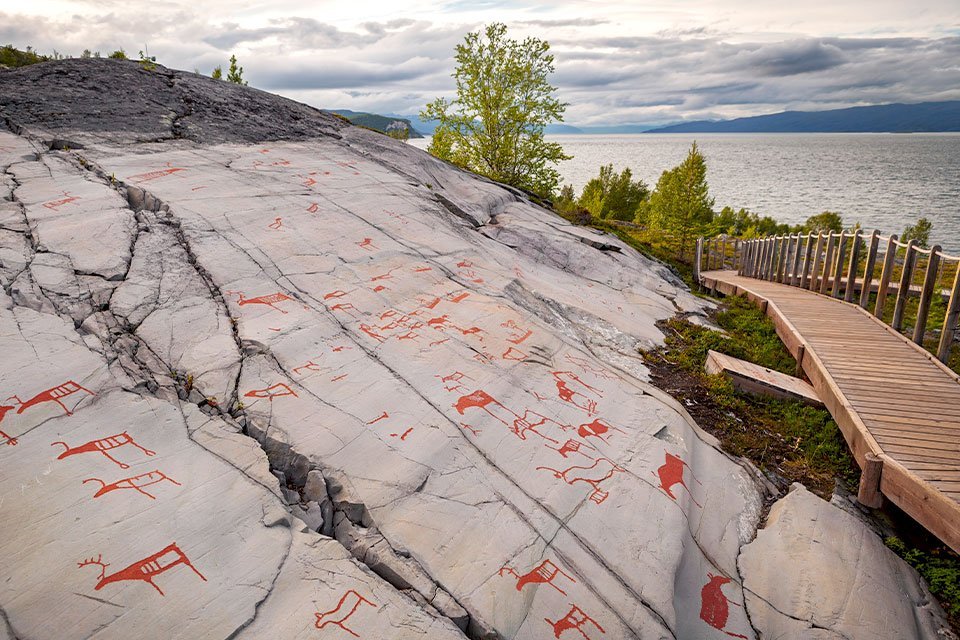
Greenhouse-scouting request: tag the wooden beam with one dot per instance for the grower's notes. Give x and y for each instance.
(950, 320)
(838, 271)
(869, 494)
(868, 269)
(906, 277)
(852, 270)
(929, 282)
(827, 262)
(886, 275)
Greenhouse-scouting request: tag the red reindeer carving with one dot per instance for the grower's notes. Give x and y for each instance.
(52, 395)
(3, 412)
(136, 482)
(339, 615)
(671, 474)
(145, 570)
(714, 606)
(543, 573)
(575, 620)
(568, 394)
(103, 445)
(269, 300)
(601, 469)
(278, 390)
(531, 421)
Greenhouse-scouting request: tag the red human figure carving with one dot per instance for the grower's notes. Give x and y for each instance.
(382, 416)
(715, 607)
(145, 570)
(341, 613)
(52, 395)
(602, 469)
(313, 208)
(269, 300)
(153, 175)
(276, 225)
(278, 390)
(574, 620)
(543, 573)
(519, 334)
(366, 244)
(671, 474)
(3, 412)
(53, 205)
(310, 366)
(597, 429)
(136, 482)
(570, 395)
(103, 445)
(573, 446)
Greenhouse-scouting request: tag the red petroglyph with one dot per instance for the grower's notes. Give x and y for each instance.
(384, 276)
(308, 181)
(278, 390)
(56, 394)
(574, 620)
(367, 243)
(458, 298)
(198, 188)
(138, 483)
(340, 348)
(280, 163)
(269, 300)
(264, 150)
(339, 378)
(515, 354)
(153, 175)
(54, 205)
(579, 399)
(103, 445)
(597, 429)
(464, 264)
(145, 570)
(456, 377)
(276, 225)
(313, 208)
(367, 329)
(470, 428)
(432, 304)
(310, 366)
(339, 615)
(379, 288)
(346, 307)
(438, 342)
(339, 293)
(543, 573)
(382, 416)
(573, 446)
(404, 435)
(518, 335)
(10, 440)
(586, 365)
(538, 396)
(409, 335)
(602, 469)
(422, 269)
(671, 474)
(714, 606)
(531, 421)
(274, 329)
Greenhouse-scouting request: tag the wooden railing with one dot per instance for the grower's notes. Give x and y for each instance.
(865, 269)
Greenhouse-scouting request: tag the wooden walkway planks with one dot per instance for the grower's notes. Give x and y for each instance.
(892, 399)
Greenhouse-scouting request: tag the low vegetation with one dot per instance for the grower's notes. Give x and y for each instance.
(940, 567)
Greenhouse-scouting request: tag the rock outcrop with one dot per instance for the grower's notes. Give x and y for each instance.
(272, 376)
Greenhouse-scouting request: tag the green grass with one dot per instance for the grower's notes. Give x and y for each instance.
(940, 567)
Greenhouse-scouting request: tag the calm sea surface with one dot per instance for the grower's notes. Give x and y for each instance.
(885, 181)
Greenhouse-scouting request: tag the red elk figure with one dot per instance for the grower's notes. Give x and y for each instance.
(568, 394)
(103, 445)
(671, 474)
(3, 412)
(52, 395)
(136, 482)
(598, 429)
(145, 570)
(543, 573)
(601, 469)
(339, 615)
(714, 606)
(519, 426)
(575, 620)
(270, 300)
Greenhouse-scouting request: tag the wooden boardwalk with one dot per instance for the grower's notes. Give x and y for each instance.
(897, 406)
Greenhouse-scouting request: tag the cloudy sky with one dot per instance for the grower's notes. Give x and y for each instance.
(617, 62)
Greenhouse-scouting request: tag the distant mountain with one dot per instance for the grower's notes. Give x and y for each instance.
(619, 128)
(887, 118)
(375, 121)
(427, 127)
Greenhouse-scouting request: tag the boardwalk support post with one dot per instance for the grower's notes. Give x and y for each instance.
(852, 271)
(868, 269)
(886, 275)
(801, 351)
(804, 280)
(950, 320)
(827, 261)
(869, 494)
(906, 278)
(929, 282)
(838, 272)
(815, 271)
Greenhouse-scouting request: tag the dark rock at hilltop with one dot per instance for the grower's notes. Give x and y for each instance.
(103, 95)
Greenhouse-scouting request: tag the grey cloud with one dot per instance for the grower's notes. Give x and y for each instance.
(570, 22)
(790, 58)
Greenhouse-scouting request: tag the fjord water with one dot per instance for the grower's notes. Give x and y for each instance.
(884, 181)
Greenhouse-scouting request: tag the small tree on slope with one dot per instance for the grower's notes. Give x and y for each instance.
(681, 205)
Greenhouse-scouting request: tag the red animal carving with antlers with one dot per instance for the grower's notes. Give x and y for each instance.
(714, 606)
(137, 483)
(103, 445)
(575, 619)
(348, 604)
(671, 474)
(56, 394)
(145, 570)
(543, 573)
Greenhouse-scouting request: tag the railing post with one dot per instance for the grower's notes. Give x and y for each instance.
(838, 272)
(754, 257)
(795, 276)
(852, 270)
(889, 260)
(906, 277)
(868, 269)
(814, 284)
(827, 261)
(782, 258)
(764, 255)
(806, 261)
(929, 283)
(723, 255)
(698, 255)
(950, 320)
